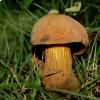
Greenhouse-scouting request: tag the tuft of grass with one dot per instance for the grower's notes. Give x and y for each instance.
(87, 68)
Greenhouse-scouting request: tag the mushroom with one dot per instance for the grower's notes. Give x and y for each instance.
(61, 37)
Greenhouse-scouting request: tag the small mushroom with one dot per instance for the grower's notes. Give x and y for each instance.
(61, 36)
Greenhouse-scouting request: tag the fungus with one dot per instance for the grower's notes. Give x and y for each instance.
(61, 37)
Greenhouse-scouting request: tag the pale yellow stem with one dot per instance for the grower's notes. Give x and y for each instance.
(57, 71)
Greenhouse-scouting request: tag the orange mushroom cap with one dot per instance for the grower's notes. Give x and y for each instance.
(60, 29)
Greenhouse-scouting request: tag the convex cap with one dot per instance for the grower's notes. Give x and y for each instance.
(60, 29)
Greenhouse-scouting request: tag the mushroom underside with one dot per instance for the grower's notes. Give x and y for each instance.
(76, 48)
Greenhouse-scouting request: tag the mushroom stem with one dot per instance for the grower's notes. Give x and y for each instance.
(57, 71)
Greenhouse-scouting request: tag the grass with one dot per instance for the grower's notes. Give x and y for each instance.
(17, 78)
